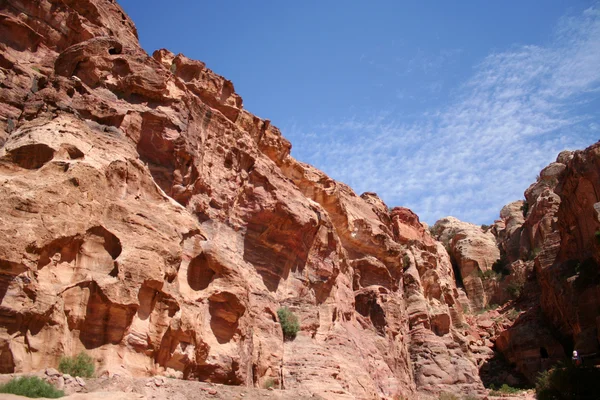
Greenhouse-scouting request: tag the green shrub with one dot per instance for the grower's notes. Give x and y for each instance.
(515, 288)
(597, 234)
(269, 383)
(80, 365)
(588, 272)
(405, 261)
(568, 382)
(487, 308)
(512, 314)
(31, 386)
(289, 323)
(504, 389)
(490, 274)
(432, 230)
(534, 253)
(450, 396)
(485, 227)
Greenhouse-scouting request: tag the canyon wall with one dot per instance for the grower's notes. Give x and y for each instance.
(148, 219)
(551, 245)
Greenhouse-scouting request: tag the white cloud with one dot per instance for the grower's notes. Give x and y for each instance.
(469, 158)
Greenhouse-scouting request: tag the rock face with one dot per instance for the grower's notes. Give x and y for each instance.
(151, 221)
(474, 252)
(551, 247)
(148, 219)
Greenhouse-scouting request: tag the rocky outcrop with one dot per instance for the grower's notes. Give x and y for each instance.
(550, 253)
(151, 221)
(396, 262)
(565, 228)
(474, 251)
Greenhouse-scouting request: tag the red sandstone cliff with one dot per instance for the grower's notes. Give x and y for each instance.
(150, 220)
(552, 247)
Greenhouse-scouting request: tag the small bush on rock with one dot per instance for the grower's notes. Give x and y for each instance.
(31, 386)
(269, 383)
(504, 389)
(514, 289)
(80, 365)
(289, 323)
(489, 275)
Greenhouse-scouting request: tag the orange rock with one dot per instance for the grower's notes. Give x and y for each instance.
(151, 221)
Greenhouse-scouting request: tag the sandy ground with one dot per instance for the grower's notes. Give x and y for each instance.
(126, 388)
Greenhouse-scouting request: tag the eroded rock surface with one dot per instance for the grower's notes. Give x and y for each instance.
(550, 250)
(474, 251)
(151, 221)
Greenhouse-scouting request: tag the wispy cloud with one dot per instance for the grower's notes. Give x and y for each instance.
(481, 150)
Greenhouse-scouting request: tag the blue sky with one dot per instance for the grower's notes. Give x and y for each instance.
(448, 108)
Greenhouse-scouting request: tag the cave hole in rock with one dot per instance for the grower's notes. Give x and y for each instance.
(7, 362)
(226, 375)
(440, 324)
(225, 310)
(32, 156)
(254, 374)
(566, 342)
(102, 322)
(199, 273)
(494, 370)
(121, 67)
(181, 350)
(543, 352)
(366, 305)
(276, 244)
(115, 271)
(457, 274)
(111, 243)
(589, 274)
(96, 250)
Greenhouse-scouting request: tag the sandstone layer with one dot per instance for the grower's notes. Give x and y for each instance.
(473, 251)
(551, 243)
(148, 219)
(151, 221)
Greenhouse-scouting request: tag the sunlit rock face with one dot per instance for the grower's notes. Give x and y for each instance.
(148, 219)
(474, 251)
(550, 248)
(151, 221)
